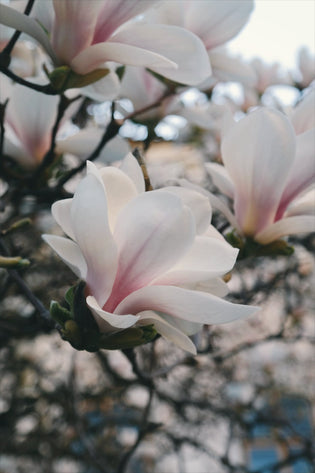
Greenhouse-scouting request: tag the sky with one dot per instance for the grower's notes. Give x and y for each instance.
(275, 31)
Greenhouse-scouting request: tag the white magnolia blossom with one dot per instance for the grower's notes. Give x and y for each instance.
(267, 168)
(215, 22)
(29, 119)
(145, 255)
(86, 34)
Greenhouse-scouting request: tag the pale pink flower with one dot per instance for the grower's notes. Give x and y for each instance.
(85, 34)
(29, 120)
(144, 255)
(266, 168)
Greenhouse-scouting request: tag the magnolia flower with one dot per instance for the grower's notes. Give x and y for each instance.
(215, 22)
(29, 120)
(145, 255)
(85, 34)
(266, 167)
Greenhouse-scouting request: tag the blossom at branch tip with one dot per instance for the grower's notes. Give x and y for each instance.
(268, 167)
(29, 120)
(84, 35)
(146, 257)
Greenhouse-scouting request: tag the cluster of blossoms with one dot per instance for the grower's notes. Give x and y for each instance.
(153, 258)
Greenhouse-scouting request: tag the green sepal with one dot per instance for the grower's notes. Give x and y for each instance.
(60, 314)
(129, 338)
(79, 328)
(249, 247)
(72, 334)
(69, 297)
(63, 78)
(120, 71)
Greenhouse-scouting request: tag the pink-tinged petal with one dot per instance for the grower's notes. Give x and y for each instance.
(168, 331)
(206, 259)
(152, 233)
(120, 190)
(108, 322)
(216, 22)
(302, 172)
(286, 226)
(91, 229)
(16, 20)
(258, 166)
(193, 306)
(31, 116)
(69, 252)
(303, 116)
(180, 46)
(221, 178)
(114, 13)
(304, 205)
(73, 28)
(130, 166)
(61, 211)
(198, 203)
(96, 55)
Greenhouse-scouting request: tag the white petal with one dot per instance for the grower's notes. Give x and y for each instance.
(227, 68)
(176, 44)
(112, 321)
(258, 166)
(215, 22)
(130, 166)
(303, 116)
(92, 233)
(24, 23)
(304, 205)
(168, 331)
(94, 57)
(286, 226)
(221, 178)
(206, 259)
(216, 286)
(194, 306)
(69, 252)
(302, 173)
(120, 190)
(198, 203)
(61, 211)
(152, 233)
(223, 208)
